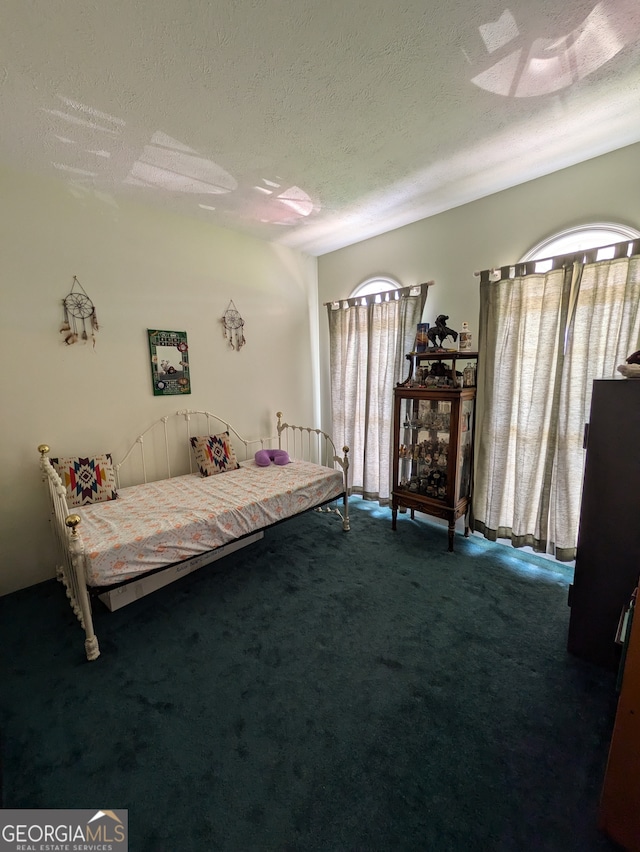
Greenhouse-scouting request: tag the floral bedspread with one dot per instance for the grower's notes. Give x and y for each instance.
(155, 524)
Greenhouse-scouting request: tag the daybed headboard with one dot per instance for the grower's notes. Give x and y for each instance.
(168, 443)
(163, 449)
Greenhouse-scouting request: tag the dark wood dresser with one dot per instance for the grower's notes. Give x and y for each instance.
(608, 556)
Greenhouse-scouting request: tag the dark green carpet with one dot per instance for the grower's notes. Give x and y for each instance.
(319, 691)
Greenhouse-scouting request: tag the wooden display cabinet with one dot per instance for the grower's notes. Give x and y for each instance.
(434, 418)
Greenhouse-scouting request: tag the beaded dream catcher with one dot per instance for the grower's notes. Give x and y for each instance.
(233, 327)
(80, 318)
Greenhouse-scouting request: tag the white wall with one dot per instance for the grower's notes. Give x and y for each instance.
(494, 231)
(143, 269)
(146, 269)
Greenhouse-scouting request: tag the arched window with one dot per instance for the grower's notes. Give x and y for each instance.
(374, 285)
(581, 237)
(546, 338)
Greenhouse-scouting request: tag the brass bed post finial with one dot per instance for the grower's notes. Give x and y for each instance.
(72, 522)
(43, 449)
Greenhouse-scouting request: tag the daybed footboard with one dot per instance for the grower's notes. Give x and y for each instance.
(316, 446)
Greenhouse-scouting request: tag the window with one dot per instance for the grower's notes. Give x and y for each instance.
(375, 285)
(581, 237)
(369, 336)
(546, 336)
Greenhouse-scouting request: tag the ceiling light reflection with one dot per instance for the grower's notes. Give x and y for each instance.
(496, 34)
(169, 164)
(83, 122)
(64, 168)
(296, 199)
(547, 65)
(286, 208)
(80, 107)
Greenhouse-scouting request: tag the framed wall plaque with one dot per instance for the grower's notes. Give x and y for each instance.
(169, 362)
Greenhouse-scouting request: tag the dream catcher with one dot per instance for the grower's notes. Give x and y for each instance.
(80, 318)
(233, 325)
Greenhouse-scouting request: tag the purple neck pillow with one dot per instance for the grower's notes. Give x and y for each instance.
(265, 457)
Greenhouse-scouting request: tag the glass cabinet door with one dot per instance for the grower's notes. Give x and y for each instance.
(433, 452)
(425, 436)
(466, 446)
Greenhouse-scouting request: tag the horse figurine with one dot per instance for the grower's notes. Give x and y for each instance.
(440, 331)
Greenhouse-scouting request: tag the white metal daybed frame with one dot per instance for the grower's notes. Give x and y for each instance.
(301, 442)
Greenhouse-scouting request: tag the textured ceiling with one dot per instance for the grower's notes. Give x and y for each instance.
(314, 124)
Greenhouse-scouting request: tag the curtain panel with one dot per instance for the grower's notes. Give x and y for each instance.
(368, 340)
(543, 339)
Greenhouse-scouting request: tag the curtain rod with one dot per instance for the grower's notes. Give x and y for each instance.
(402, 291)
(626, 248)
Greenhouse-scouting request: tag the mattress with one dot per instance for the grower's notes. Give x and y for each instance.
(153, 525)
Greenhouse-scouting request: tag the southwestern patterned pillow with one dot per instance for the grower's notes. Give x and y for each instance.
(214, 454)
(87, 480)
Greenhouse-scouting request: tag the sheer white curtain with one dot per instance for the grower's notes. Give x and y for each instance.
(543, 339)
(603, 330)
(368, 339)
